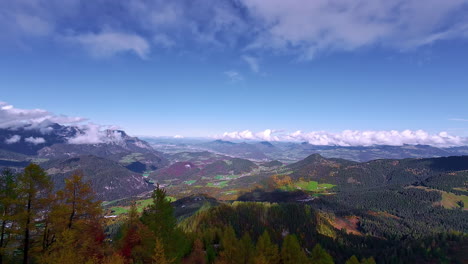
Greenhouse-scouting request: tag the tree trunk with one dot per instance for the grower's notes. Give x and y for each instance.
(26, 233)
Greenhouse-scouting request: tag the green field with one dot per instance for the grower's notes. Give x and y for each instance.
(226, 177)
(220, 184)
(140, 204)
(131, 158)
(190, 182)
(311, 186)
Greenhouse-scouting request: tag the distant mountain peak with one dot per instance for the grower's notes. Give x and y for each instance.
(266, 143)
(220, 141)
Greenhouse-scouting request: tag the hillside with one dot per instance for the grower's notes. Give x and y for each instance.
(109, 179)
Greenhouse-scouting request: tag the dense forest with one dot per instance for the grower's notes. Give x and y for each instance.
(40, 224)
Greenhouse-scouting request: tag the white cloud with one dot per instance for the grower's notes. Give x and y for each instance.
(107, 44)
(92, 135)
(304, 27)
(12, 117)
(97, 134)
(234, 76)
(353, 137)
(13, 139)
(252, 62)
(35, 140)
(178, 136)
(309, 27)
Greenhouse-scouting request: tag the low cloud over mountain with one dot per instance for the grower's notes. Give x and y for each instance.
(353, 137)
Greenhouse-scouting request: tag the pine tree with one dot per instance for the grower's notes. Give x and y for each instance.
(352, 260)
(320, 256)
(34, 190)
(159, 218)
(266, 249)
(291, 251)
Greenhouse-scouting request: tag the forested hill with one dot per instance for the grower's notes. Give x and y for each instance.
(351, 175)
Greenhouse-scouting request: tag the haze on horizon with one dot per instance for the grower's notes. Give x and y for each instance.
(328, 72)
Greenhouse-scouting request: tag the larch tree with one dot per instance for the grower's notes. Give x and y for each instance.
(266, 249)
(8, 208)
(34, 196)
(75, 222)
(291, 251)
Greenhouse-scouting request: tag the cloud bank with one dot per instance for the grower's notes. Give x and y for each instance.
(12, 117)
(304, 28)
(353, 137)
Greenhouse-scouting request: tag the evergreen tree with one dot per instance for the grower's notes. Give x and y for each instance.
(352, 260)
(320, 256)
(291, 251)
(159, 218)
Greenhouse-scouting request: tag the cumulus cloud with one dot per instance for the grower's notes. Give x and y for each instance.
(12, 117)
(35, 140)
(353, 137)
(234, 76)
(107, 44)
(13, 139)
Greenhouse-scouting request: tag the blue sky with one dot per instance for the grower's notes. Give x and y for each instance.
(205, 67)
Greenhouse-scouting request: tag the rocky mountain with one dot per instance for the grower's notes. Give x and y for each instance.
(113, 161)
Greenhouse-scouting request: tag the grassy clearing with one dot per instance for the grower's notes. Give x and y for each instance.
(220, 184)
(226, 177)
(310, 186)
(449, 200)
(190, 182)
(140, 204)
(131, 158)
